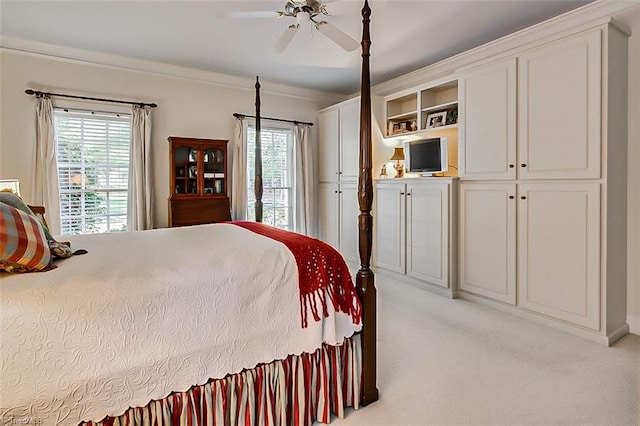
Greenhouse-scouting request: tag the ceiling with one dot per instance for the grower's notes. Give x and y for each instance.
(406, 34)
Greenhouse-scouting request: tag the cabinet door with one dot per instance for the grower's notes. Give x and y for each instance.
(328, 145)
(487, 230)
(185, 169)
(390, 227)
(349, 221)
(349, 141)
(328, 204)
(488, 125)
(428, 232)
(559, 109)
(559, 251)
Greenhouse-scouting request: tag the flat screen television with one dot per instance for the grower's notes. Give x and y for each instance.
(426, 156)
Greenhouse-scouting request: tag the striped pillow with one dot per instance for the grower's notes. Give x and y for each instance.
(23, 244)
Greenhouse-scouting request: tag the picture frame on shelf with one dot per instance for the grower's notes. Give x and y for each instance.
(436, 119)
(398, 127)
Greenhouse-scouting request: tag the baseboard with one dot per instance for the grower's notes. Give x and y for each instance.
(594, 336)
(442, 291)
(634, 324)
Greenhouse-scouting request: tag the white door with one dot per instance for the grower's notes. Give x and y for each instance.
(349, 211)
(328, 145)
(428, 232)
(559, 103)
(328, 205)
(559, 251)
(349, 140)
(487, 230)
(390, 226)
(488, 121)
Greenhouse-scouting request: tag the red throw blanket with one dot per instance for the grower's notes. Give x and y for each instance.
(322, 273)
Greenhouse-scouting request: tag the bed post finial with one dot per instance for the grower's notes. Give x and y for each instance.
(364, 279)
(257, 184)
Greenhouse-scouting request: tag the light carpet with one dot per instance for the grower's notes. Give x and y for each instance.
(443, 361)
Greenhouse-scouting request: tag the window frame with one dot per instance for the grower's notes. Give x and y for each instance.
(120, 114)
(273, 127)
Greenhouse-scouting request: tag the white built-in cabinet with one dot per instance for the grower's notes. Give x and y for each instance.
(487, 229)
(338, 162)
(557, 92)
(538, 226)
(338, 149)
(415, 230)
(543, 186)
(488, 133)
(559, 251)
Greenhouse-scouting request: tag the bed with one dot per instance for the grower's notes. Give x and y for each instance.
(276, 333)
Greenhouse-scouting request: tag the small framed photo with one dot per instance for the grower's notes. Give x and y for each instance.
(436, 119)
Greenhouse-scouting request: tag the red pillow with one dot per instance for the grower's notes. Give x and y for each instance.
(23, 244)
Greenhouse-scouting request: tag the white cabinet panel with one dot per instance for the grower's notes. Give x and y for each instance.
(349, 211)
(328, 206)
(427, 233)
(559, 109)
(390, 227)
(349, 141)
(488, 240)
(559, 251)
(488, 127)
(413, 230)
(328, 145)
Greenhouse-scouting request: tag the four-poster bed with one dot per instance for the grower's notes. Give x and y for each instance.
(327, 364)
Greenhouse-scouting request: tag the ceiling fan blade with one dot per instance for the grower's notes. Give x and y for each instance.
(251, 14)
(338, 36)
(285, 38)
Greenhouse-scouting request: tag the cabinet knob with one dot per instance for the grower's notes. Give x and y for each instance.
(335, 192)
(408, 194)
(522, 197)
(511, 166)
(523, 165)
(402, 193)
(511, 197)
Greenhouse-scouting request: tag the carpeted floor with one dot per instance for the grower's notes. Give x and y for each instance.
(443, 361)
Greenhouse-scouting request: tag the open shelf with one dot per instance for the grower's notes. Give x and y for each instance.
(426, 108)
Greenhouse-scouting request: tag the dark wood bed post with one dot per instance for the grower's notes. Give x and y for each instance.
(364, 278)
(257, 183)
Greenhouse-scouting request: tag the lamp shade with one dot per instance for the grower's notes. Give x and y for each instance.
(398, 153)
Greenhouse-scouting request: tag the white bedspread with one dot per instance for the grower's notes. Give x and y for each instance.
(147, 313)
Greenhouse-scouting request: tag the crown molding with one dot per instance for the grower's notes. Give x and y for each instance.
(106, 60)
(597, 13)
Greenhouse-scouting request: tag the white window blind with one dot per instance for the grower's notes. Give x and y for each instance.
(93, 170)
(277, 176)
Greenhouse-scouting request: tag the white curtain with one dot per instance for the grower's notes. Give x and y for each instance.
(303, 152)
(140, 202)
(239, 180)
(45, 190)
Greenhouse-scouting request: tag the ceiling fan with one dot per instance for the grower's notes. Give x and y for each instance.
(306, 13)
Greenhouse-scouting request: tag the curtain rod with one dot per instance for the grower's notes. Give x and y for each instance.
(38, 93)
(238, 115)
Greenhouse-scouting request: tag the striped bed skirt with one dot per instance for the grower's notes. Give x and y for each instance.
(297, 391)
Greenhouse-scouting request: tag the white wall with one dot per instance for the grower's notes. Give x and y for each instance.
(186, 107)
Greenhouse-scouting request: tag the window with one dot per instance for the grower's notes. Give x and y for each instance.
(277, 176)
(93, 170)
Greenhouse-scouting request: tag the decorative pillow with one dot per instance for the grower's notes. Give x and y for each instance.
(23, 244)
(14, 200)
